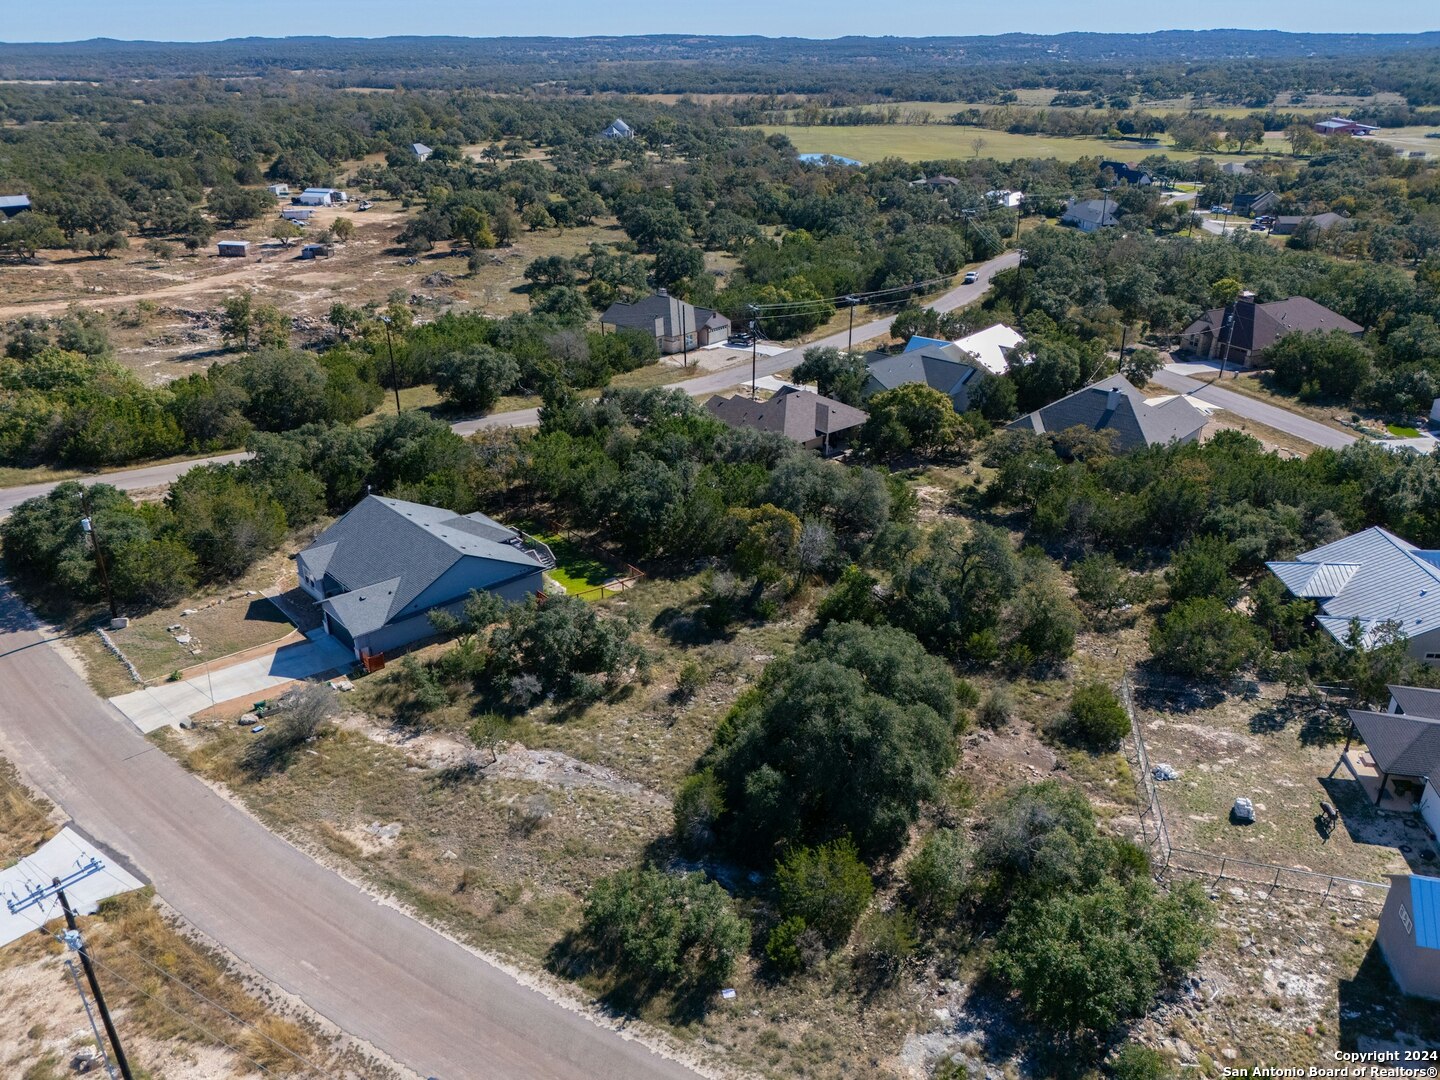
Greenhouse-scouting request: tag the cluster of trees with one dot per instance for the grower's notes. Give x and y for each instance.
(1219, 511)
(662, 477)
(219, 519)
(1108, 283)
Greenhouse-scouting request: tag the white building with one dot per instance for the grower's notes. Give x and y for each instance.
(988, 346)
(1011, 200)
(278, 189)
(321, 196)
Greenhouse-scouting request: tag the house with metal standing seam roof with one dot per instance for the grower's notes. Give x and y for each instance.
(619, 129)
(381, 569)
(10, 205)
(1409, 934)
(1374, 578)
(1115, 405)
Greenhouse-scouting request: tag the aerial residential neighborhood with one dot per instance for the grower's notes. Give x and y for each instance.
(635, 544)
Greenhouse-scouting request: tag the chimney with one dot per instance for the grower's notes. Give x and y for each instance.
(662, 292)
(1246, 297)
(1112, 399)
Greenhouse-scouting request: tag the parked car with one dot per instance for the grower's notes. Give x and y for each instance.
(740, 337)
(1217, 209)
(971, 277)
(1256, 226)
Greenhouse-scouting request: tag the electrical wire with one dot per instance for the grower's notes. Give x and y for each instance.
(90, 950)
(859, 298)
(131, 950)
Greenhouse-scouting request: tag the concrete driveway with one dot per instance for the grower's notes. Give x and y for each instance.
(169, 703)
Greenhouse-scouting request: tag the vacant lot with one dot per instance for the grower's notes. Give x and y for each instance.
(935, 142)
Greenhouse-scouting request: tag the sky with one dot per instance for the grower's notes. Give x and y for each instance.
(208, 20)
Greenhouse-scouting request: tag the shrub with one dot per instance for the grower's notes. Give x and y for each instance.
(1203, 637)
(1136, 1062)
(699, 804)
(887, 939)
(1083, 963)
(997, 709)
(1203, 568)
(827, 887)
(659, 928)
(1096, 720)
(783, 946)
(938, 877)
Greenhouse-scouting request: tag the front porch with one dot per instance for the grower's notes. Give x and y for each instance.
(1400, 794)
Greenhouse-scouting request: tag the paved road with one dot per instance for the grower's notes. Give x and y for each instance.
(1300, 427)
(702, 386)
(147, 476)
(372, 971)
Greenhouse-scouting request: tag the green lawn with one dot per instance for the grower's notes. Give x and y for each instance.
(1401, 431)
(935, 142)
(576, 570)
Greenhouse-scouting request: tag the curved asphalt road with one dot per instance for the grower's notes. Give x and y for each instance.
(156, 475)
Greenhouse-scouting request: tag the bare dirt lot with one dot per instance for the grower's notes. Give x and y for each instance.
(161, 314)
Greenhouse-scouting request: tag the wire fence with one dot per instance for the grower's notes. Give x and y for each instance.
(1170, 858)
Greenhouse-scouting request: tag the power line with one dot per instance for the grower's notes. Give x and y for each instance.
(87, 951)
(131, 950)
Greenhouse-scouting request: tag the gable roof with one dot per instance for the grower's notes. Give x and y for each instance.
(1327, 220)
(800, 415)
(1417, 701)
(1123, 170)
(420, 150)
(1114, 404)
(1091, 211)
(1258, 326)
(1400, 744)
(1373, 576)
(942, 366)
(988, 346)
(385, 553)
(618, 127)
(14, 202)
(661, 314)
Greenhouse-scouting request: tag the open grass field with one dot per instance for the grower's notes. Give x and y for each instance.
(935, 142)
(1410, 139)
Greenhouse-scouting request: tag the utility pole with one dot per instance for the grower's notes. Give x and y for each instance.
(87, 526)
(390, 347)
(90, 1017)
(850, 338)
(754, 347)
(77, 942)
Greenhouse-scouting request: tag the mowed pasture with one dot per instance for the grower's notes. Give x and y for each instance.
(939, 142)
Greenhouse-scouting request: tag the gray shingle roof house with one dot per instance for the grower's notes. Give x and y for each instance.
(1409, 934)
(815, 422)
(1284, 226)
(618, 130)
(1126, 173)
(1374, 577)
(382, 568)
(1087, 215)
(1403, 746)
(944, 367)
(10, 205)
(1115, 405)
(1257, 326)
(675, 324)
(1255, 203)
(421, 151)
